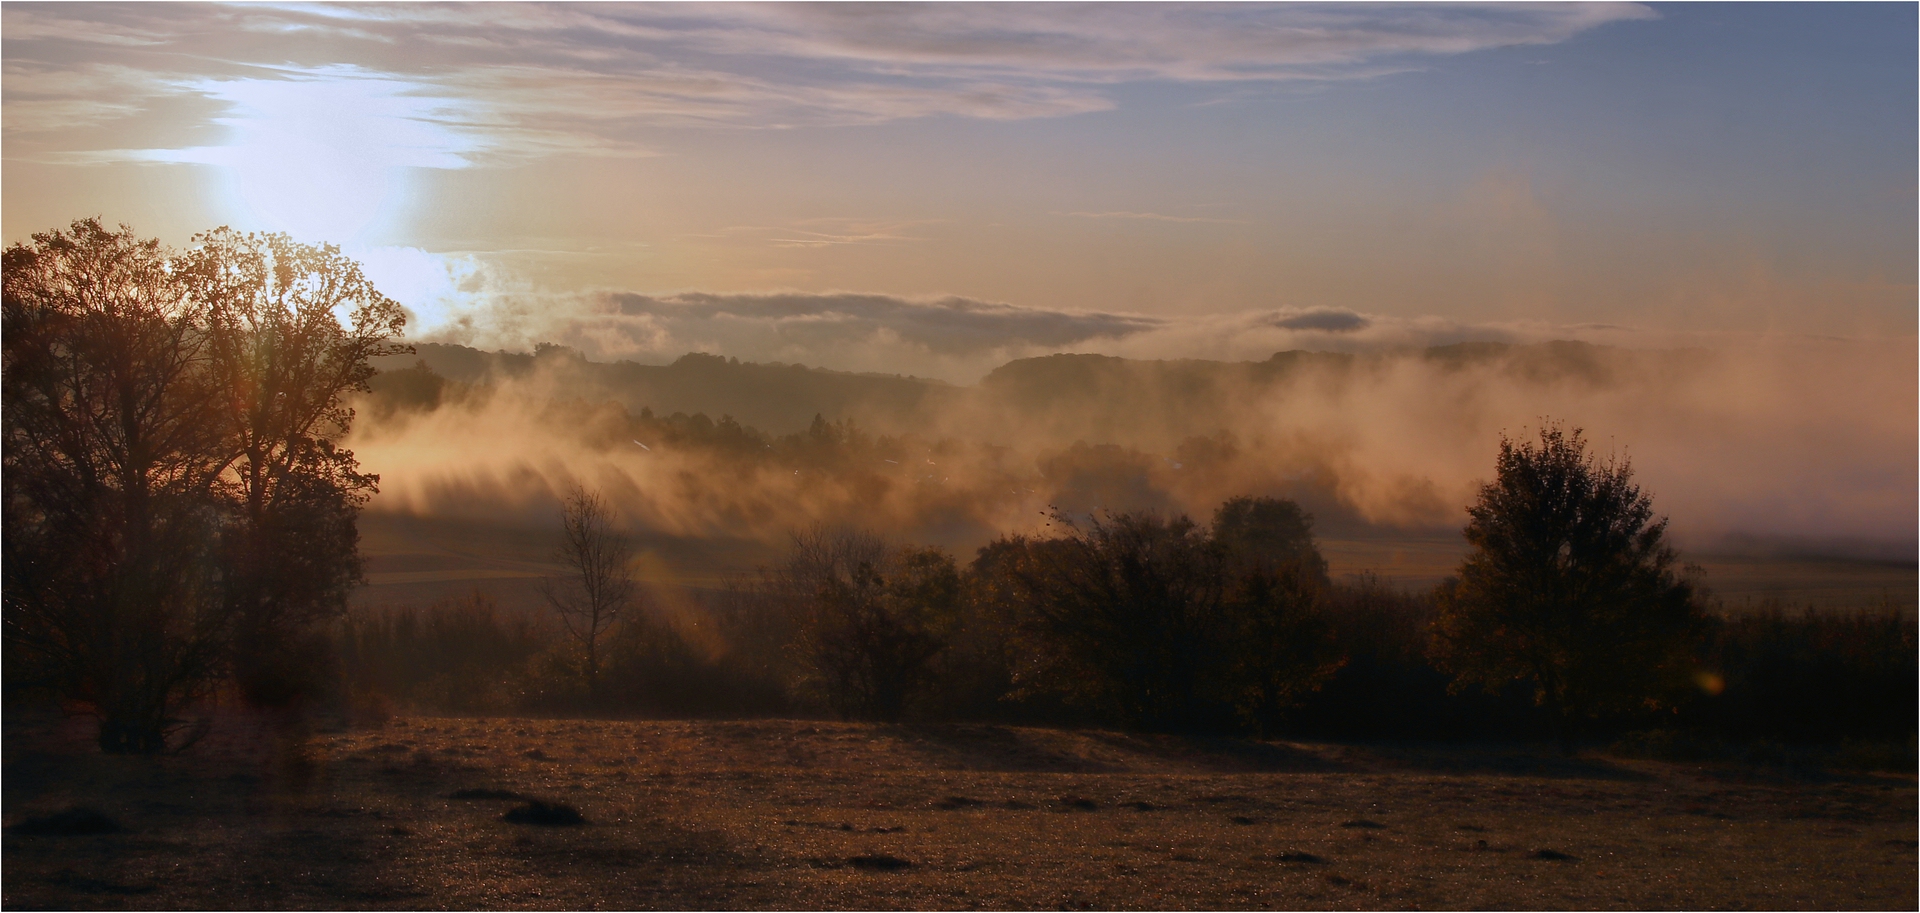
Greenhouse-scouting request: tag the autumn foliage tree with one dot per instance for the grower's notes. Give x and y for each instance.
(1570, 586)
(177, 509)
(290, 331)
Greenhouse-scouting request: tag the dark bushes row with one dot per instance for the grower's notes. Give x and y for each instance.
(856, 628)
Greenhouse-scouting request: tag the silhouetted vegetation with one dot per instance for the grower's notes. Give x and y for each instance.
(179, 519)
(872, 618)
(177, 510)
(1808, 677)
(598, 589)
(1570, 587)
(1349, 660)
(1390, 687)
(1158, 623)
(457, 656)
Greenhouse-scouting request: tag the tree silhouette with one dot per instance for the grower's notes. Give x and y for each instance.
(1269, 533)
(598, 589)
(872, 617)
(290, 328)
(175, 505)
(1570, 586)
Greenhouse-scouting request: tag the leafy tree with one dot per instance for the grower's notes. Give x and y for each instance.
(175, 505)
(872, 618)
(1278, 646)
(598, 589)
(1126, 615)
(1158, 623)
(1570, 586)
(111, 449)
(290, 330)
(1270, 533)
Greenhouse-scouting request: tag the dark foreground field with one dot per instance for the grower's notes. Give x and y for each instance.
(790, 814)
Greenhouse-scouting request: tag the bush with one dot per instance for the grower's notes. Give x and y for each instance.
(868, 619)
(1157, 624)
(456, 656)
(1389, 688)
(1812, 677)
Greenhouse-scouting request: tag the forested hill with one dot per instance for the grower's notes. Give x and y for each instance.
(1090, 397)
(776, 398)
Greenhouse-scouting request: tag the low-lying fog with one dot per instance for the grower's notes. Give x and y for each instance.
(1805, 444)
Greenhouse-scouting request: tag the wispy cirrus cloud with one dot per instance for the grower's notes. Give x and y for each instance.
(830, 231)
(524, 81)
(1153, 217)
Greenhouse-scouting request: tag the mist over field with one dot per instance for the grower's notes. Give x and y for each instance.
(1788, 443)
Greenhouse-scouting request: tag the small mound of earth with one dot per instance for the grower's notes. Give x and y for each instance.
(1301, 857)
(545, 814)
(879, 862)
(78, 821)
(1363, 823)
(1553, 856)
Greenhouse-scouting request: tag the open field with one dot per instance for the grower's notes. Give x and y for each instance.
(801, 814)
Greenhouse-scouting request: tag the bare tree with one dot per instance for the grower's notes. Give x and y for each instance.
(599, 586)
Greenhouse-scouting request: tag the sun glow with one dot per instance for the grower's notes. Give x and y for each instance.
(432, 286)
(326, 155)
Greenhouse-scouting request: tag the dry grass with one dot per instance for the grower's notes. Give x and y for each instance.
(795, 814)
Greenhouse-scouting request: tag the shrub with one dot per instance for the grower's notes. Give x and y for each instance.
(1154, 623)
(457, 655)
(1808, 677)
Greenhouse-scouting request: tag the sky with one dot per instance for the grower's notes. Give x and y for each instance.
(933, 189)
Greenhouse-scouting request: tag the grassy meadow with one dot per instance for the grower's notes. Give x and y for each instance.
(796, 814)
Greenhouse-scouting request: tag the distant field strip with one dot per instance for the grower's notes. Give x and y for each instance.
(449, 576)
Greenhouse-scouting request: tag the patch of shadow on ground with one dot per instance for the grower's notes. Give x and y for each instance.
(655, 847)
(1211, 754)
(991, 748)
(1514, 760)
(77, 821)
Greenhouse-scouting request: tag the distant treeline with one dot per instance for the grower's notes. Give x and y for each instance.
(1133, 402)
(953, 478)
(1231, 628)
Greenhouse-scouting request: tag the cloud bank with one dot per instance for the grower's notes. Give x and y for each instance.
(463, 299)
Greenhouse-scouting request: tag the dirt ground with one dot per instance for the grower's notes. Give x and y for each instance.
(804, 815)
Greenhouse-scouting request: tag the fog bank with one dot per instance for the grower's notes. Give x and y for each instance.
(1768, 440)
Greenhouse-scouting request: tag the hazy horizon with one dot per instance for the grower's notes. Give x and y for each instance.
(939, 190)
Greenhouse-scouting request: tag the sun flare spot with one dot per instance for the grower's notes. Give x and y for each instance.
(325, 155)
